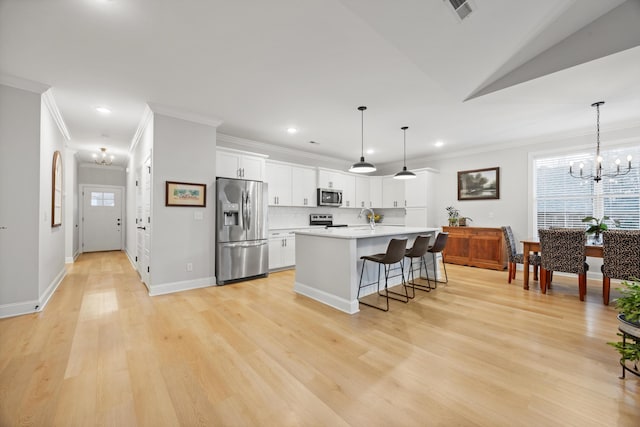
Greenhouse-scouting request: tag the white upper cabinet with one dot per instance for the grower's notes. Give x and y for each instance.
(303, 190)
(348, 184)
(375, 192)
(363, 193)
(279, 180)
(328, 178)
(393, 192)
(238, 164)
(416, 190)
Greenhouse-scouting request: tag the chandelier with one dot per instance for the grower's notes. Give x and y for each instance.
(102, 159)
(599, 173)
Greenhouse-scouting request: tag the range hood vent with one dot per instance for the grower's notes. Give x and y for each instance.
(462, 8)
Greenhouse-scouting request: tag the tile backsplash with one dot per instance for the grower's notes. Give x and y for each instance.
(291, 217)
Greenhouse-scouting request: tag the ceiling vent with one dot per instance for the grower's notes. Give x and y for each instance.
(462, 8)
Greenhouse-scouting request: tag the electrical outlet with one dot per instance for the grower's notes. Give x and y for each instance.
(189, 266)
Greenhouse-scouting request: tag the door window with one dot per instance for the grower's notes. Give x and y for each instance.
(107, 199)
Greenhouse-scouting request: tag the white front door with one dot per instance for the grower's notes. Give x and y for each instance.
(102, 219)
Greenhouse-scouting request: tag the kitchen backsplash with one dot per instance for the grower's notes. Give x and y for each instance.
(288, 217)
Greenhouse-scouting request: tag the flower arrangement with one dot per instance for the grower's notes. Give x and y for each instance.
(454, 214)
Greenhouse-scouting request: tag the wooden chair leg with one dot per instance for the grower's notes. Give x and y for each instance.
(582, 285)
(510, 269)
(513, 271)
(543, 280)
(606, 286)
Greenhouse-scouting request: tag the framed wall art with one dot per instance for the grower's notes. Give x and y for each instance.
(56, 190)
(186, 194)
(479, 184)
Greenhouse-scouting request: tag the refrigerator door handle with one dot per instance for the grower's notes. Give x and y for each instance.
(245, 244)
(243, 211)
(248, 210)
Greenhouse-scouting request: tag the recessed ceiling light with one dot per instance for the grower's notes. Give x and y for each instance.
(103, 110)
(292, 130)
(439, 144)
(371, 151)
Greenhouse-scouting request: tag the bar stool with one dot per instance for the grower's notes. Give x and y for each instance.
(395, 254)
(437, 247)
(419, 249)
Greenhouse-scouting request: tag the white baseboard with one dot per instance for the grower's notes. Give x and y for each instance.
(132, 260)
(33, 306)
(72, 259)
(338, 303)
(185, 285)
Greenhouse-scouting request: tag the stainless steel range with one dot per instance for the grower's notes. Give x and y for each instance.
(323, 219)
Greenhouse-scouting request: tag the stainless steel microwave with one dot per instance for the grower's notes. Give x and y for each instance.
(329, 197)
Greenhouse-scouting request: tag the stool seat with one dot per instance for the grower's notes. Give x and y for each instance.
(395, 254)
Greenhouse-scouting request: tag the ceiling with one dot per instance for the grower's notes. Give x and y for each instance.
(511, 71)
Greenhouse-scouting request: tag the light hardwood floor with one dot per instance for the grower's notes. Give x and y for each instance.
(474, 352)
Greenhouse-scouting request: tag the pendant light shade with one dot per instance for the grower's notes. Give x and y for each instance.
(404, 173)
(362, 166)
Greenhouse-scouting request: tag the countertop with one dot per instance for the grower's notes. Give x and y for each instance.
(363, 231)
(322, 227)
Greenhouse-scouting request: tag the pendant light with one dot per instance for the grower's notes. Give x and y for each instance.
(404, 173)
(362, 166)
(599, 173)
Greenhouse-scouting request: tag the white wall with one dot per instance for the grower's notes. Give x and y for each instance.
(183, 151)
(101, 175)
(19, 192)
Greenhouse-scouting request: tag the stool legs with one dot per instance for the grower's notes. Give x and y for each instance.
(435, 273)
(387, 292)
(414, 285)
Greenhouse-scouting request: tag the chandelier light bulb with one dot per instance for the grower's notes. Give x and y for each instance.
(629, 158)
(617, 161)
(599, 159)
(581, 165)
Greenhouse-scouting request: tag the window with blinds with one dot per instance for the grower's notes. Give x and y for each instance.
(562, 201)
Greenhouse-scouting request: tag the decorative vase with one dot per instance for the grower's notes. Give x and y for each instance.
(453, 222)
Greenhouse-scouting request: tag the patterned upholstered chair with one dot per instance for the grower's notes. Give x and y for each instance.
(563, 250)
(621, 258)
(515, 257)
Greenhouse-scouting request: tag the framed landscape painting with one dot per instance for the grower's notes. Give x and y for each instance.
(186, 194)
(479, 184)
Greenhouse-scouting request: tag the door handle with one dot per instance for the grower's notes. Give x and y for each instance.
(140, 228)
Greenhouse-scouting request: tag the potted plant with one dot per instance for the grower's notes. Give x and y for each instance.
(629, 317)
(462, 221)
(597, 226)
(453, 216)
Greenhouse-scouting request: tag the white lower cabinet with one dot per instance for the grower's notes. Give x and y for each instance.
(282, 250)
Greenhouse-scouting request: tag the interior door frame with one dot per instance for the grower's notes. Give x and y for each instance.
(123, 208)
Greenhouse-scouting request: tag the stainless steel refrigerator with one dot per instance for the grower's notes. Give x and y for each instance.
(242, 249)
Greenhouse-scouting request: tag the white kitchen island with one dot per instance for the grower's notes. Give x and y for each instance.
(328, 261)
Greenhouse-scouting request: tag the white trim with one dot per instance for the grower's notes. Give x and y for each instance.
(256, 145)
(32, 306)
(50, 102)
(185, 285)
(184, 115)
(350, 307)
(24, 84)
(233, 150)
(96, 166)
(71, 259)
(131, 260)
(144, 121)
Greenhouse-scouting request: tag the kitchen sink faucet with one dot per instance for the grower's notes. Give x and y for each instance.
(372, 222)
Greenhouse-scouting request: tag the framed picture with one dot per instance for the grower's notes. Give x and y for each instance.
(479, 184)
(56, 190)
(186, 194)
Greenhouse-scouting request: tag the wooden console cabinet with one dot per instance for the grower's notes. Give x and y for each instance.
(476, 246)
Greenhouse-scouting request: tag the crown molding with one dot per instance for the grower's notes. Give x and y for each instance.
(184, 115)
(142, 125)
(258, 146)
(96, 166)
(24, 84)
(50, 102)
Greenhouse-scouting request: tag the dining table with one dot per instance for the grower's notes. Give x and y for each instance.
(533, 245)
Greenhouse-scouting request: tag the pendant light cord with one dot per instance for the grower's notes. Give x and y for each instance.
(362, 132)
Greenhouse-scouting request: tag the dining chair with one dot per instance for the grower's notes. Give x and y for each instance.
(620, 258)
(563, 250)
(394, 254)
(517, 258)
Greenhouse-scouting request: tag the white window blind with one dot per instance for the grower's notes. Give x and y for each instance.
(562, 201)
(103, 199)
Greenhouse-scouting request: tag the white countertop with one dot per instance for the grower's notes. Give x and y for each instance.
(361, 232)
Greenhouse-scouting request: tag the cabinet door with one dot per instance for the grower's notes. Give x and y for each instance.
(392, 192)
(416, 191)
(329, 179)
(416, 217)
(252, 168)
(303, 192)
(275, 252)
(279, 180)
(289, 251)
(348, 183)
(375, 192)
(363, 192)
(227, 164)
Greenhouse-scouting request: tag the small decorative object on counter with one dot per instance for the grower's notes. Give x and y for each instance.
(376, 218)
(453, 216)
(629, 326)
(462, 221)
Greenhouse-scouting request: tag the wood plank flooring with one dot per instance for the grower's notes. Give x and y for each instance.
(475, 352)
